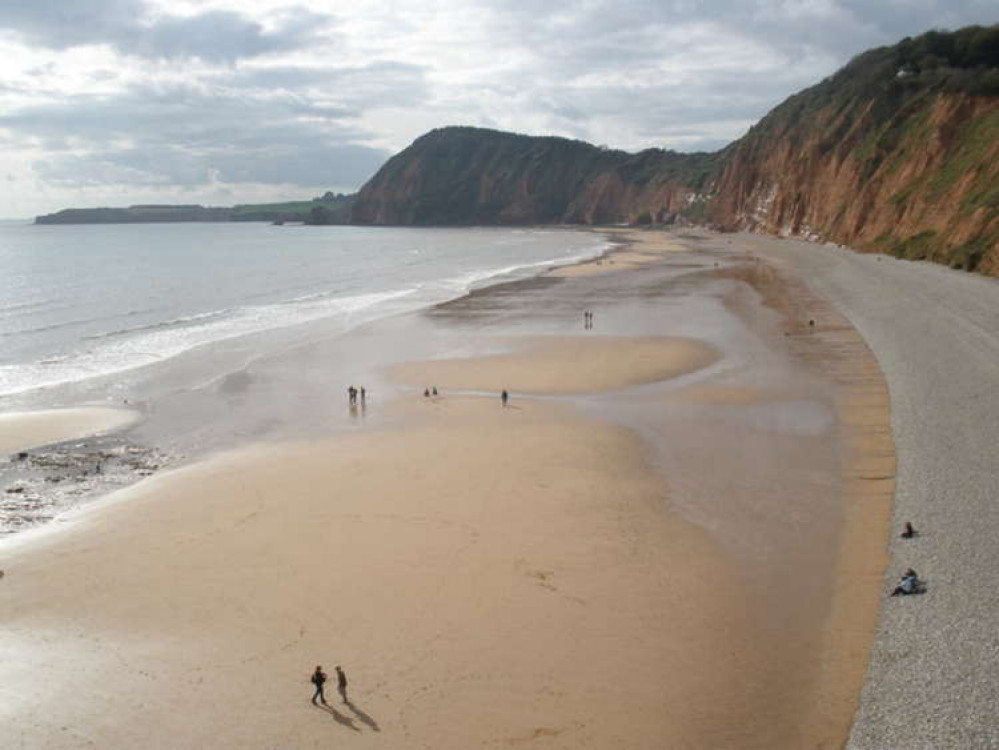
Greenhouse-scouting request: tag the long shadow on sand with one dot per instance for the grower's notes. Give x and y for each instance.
(340, 718)
(362, 717)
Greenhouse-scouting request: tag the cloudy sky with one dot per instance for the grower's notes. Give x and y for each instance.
(113, 102)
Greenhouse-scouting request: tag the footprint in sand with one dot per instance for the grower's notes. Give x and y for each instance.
(542, 577)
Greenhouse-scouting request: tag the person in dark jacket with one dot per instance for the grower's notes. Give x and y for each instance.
(319, 679)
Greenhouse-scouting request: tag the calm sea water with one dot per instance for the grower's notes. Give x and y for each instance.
(78, 302)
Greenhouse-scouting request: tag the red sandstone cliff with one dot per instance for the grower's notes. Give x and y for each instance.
(896, 152)
(922, 184)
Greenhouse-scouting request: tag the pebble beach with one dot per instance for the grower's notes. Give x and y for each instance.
(933, 679)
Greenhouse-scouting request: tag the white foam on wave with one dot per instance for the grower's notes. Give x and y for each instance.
(466, 282)
(133, 347)
(129, 349)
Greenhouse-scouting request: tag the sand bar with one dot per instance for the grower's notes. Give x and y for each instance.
(565, 365)
(23, 430)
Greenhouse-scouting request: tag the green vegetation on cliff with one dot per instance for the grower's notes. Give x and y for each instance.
(463, 175)
(898, 151)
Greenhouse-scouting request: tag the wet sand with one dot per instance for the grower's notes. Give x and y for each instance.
(638, 249)
(650, 554)
(481, 576)
(21, 431)
(539, 365)
(934, 668)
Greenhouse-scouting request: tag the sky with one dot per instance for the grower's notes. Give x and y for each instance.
(218, 102)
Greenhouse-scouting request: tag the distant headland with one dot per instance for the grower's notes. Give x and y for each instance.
(325, 209)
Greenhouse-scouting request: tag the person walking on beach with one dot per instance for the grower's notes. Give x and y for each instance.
(351, 395)
(504, 397)
(319, 679)
(341, 684)
(364, 394)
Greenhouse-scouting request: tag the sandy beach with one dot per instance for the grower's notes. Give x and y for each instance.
(672, 537)
(539, 365)
(21, 431)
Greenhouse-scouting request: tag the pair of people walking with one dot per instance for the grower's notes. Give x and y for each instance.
(319, 680)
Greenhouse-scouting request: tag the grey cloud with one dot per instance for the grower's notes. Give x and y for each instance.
(128, 27)
(307, 162)
(682, 115)
(380, 83)
(91, 170)
(841, 27)
(288, 77)
(184, 115)
(60, 24)
(219, 36)
(179, 135)
(731, 61)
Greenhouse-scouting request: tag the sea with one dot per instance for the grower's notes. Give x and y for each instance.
(91, 301)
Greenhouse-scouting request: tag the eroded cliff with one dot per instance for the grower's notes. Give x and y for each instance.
(897, 152)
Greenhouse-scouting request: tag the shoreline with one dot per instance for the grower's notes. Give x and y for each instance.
(833, 671)
(63, 376)
(932, 676)
(815, 327)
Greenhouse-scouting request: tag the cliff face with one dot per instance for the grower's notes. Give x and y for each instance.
(933, 194)
(475, 176)
(897, 152)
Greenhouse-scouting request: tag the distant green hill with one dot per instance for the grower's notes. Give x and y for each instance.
(330, 208)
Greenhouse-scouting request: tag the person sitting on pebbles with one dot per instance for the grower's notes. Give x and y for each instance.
(908, 585)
